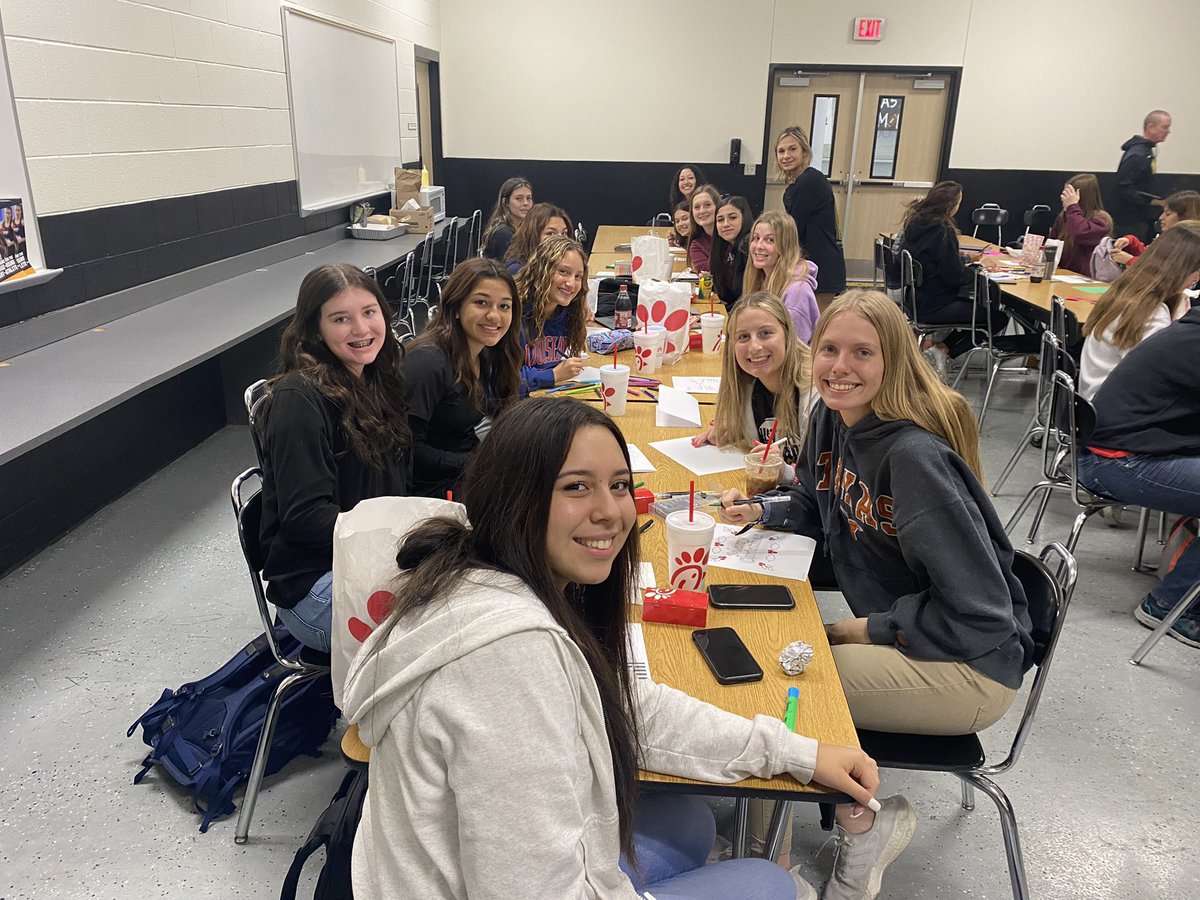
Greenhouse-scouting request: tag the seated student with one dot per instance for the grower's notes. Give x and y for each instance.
(1145, 299)
(544, 220)
(1180, 206)
(808, 199)
(765, 378)
(684, 184)
(1145, 449)
(334, 432)
(463, 368)
(1082, 224)
(889, 483)
(704, 214)
(482, 786)
(777, 265)
(682, 229)
(930, 235)
(512, 205)
(730, 249)
(552, 290)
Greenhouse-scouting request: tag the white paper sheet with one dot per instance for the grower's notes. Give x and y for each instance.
(645, 579)
(1073, 279)
(706, 460)
(635, 643)
(763, 551)
(676, 409)
(697, 385)
(588, 375)
(639, 460)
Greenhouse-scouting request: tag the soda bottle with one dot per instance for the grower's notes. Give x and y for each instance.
(623, 309)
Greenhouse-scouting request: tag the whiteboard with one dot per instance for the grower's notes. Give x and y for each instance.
(344, 94)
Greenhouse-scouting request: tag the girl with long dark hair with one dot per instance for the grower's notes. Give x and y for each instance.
(512, 205)
(730, 248)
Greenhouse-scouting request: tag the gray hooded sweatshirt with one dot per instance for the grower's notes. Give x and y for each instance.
(491, 775)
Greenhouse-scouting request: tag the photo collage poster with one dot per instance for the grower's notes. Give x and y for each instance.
(13, 259)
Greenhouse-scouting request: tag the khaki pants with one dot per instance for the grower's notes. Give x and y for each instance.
(888, 691)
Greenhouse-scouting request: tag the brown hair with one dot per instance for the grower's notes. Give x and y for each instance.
(529, 232)
(1090, 203)
(535, 282)
(501, 216)
(1185, 204)
(938, 204)
(716, 199)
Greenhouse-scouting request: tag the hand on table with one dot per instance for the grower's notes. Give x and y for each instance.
(705, 437)
(848, 631)
(567, 369)
(847, 769)
(747, 514)
(1069, 195)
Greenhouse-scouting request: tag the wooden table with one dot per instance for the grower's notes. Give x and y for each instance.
(1079, 303)
(674, 660)
(604, 252)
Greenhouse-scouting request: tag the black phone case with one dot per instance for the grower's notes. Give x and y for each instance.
(741, 596)
(703, 638)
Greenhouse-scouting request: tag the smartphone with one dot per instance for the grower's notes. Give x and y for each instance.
(750, 596)
(726, 655)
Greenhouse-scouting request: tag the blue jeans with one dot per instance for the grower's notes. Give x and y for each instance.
(673, 835)
(311, 620)
(1168, 483)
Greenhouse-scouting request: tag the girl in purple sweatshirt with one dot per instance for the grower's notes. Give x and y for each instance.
(777, 265)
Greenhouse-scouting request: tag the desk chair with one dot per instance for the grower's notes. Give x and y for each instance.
(1052, 358)
(662, 220)
(398, 288)
(889, 264)
(1165, 625)
(1038, 219)
(908, 303)
(990, 214)
(983, 341)
(474, 234)
(449, 252)
(1049, 594)
(304, 666)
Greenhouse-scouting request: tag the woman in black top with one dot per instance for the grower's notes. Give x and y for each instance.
(730, 248)
(512, 205)
(808, 199)
(334, 432)
(462, 370)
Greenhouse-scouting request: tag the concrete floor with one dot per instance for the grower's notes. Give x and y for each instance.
(151, 592)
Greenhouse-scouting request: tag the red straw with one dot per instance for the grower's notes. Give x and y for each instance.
(450, 496)
(770, 440)
(691, 501)
(710, 304)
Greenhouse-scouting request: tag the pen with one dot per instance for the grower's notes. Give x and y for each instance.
(750, 500)
(789, 717)
(565, 386)
(645, 527)
(638, 485)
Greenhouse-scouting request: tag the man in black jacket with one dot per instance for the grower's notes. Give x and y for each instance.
(1138, 205)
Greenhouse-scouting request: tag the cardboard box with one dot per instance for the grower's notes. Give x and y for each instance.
(419, 221)
(675, 607)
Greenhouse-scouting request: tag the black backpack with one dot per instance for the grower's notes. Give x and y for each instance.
(206, 733)
(334, 831)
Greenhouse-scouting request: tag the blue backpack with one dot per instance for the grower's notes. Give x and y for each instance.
(205, 734)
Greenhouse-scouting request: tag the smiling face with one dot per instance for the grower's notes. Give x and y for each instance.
(520, 202)
(848, 366)
(567, 280)
(554, 226)
(729, 222)
(687, 181)
(683, 222)
(486, 315)
(352, 326)
(789, 155)
(759, 346)
(704, 210)
(764, 254)
(591, 510)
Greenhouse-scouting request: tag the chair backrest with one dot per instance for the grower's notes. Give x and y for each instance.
(983, 307)
(891, 265)
(1049, 583)
(475, 234)
(450, 246)
(990, 214)
(1038, 219)
(661, 220)
(247, 511)
(256, 397)
(908, 286)
(1071, 424)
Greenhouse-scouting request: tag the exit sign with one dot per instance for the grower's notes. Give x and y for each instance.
(868, 29)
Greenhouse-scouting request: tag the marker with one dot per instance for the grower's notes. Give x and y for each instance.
(789, 717)
(645, 527)
(638, 485)
(751, 500)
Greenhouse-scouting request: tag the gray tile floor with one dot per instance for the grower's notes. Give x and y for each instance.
(151, 592)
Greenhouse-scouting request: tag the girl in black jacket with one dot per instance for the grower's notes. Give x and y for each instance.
(730, 248)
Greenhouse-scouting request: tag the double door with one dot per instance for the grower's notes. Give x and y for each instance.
(878, 135)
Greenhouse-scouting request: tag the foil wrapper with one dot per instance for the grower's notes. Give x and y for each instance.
(795, 657)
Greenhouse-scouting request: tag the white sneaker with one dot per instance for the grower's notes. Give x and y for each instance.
(939, 359)
(861, 859)
(804, 890)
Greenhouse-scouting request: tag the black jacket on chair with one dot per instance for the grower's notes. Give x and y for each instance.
(933, 244)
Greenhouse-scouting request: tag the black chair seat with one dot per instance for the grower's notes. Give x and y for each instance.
(311, 657)
(923, 752)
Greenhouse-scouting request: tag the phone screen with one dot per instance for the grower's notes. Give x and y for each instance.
(750, 596)
(726, 655)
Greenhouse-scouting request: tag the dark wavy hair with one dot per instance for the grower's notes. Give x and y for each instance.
(374, 414)
(501, 217)
(499, 366)
(529, 232)
(507, 489)
(728, 288)
(676, 196)
(938, 205)
(534, 283)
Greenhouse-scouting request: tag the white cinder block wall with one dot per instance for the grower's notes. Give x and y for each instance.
(127, 100)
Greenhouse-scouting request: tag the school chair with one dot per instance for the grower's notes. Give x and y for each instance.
(990, 214)
(398, 287)
(475, 234)
(908, 303)
(1049, 582)
(661, 220)
(1038, 219)
(1165, 624)
(1051, 358)
(983, 341)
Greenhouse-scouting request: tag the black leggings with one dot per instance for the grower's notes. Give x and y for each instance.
(958, 311)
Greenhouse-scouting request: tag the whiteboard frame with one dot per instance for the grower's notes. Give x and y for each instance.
(284, 9)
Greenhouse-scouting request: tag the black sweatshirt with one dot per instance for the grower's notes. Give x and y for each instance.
(809, 200)
(309, 476)
(933, 244)
(1135, 179)
(915, 542)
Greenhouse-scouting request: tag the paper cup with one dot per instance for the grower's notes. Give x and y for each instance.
(689, 544)
(710, 331)
(763, 475)
(614, 384)
(648, 349)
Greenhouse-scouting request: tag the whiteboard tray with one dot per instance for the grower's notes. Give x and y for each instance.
(376, 232)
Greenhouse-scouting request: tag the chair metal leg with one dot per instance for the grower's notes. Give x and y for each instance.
(968, 795)
(779, 819)
(1077, 528)
(966, 364)
(1164, 625)
(987, 394)
(1139, 554)
(1162, 527)
(741, 821)
(1008, 825)
(1022, 446)
(1037, 517)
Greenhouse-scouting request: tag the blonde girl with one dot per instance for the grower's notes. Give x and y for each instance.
(777, 265)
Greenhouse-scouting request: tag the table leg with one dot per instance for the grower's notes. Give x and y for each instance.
(779, 820)
(741, 820)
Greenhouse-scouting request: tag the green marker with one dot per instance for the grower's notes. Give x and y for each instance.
(789, 718)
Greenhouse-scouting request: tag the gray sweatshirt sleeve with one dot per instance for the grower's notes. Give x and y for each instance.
(689, 738)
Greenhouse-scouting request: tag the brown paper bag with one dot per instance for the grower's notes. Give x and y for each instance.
(408, 186)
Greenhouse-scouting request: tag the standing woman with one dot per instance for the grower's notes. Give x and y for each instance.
(808, 199)
(552, 289)
(777, 265)
(463, 369)
(505, 727)
(730, 249)
(334, 431)
(1082, 224)
(512, 205)
(544, 220)
(684, 184)
(704, 217)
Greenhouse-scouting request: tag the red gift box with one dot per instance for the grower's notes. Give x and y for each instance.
(675, 607)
